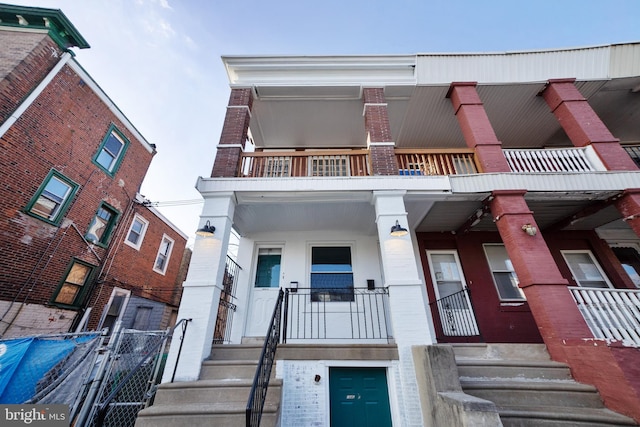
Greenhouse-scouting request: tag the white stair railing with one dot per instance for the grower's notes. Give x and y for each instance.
(549, 160)
(612, 314)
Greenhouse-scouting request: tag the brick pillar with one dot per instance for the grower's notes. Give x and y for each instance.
(612, 368)
(583, 126)
(476, 127)
(549, 299)
(376, 122)
(234, 133)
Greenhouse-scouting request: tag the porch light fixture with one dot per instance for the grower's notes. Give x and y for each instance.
(530, 229)
(207, 230)
(397, 230)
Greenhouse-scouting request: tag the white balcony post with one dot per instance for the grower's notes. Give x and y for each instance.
(201, 293)
(410, 322)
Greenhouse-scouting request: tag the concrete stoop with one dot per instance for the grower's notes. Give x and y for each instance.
(528, 388)
(218, 398)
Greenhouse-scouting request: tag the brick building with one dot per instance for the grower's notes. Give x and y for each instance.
(78, 240)
(402, 208)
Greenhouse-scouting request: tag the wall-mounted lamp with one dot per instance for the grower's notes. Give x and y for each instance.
(397, 230)
(207, 230)
(530, 229)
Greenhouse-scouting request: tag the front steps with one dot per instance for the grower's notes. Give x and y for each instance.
(529, 389)
(218, 398)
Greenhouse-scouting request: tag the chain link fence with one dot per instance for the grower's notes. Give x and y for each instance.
(105, 381)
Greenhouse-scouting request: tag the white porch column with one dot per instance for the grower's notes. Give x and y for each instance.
(410, 321)
(202, 288)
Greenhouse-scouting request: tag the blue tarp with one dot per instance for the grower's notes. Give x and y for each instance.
(25, 361)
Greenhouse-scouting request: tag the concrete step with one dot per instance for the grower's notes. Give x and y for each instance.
(561, 416)
(221, 414)
(229, 369)
(501, 351)
(204, 391)
(235, 352)
(517, 369)
(506, 392)
(337, 351)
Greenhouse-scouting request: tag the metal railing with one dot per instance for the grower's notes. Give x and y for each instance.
(612, 314)
(258, 393)
(456, 317)
(436, 162)
(226, 308)
(353, 313)
(271, 164)
(549, 160)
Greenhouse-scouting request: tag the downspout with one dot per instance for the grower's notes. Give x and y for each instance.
(34, 94)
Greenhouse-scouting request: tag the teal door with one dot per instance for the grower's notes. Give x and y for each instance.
(359, 397)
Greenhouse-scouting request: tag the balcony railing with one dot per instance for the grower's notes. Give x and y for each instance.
(357, 313)
(436, 162)
(612, 314)
(549, 160)
(270, 164)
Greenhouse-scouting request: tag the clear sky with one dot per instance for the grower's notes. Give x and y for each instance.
(159, 60)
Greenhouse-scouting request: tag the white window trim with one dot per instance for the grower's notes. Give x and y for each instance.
(145, 223)
(486, 257)
(166, 264)
(105, 310)
(593, 259)
(432, 270)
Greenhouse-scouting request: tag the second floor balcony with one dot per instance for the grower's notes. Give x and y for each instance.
(411, 162)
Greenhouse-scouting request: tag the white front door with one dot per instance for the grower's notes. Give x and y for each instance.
(456, 314)
(266, 285)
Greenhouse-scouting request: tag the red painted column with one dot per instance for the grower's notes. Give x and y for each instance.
(613, 369)
(476, 127)
(376, 122)
(549, 299)
(583, 126)
(234, 133)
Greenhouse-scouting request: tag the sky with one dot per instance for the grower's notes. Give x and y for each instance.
(159, 60)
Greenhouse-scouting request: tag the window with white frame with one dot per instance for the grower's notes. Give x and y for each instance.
(504, 275)
(585, 269)
(164, 253)
(137, 229)
(331, 273)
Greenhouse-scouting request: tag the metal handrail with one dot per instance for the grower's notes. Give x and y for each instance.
(102, 410)
(255, 404)
(460, 319)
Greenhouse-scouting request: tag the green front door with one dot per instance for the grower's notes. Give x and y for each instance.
(359, 397)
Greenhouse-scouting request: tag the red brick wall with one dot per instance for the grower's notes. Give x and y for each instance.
(25, 59)
(62, 129)
(132, 269)
(376, 121)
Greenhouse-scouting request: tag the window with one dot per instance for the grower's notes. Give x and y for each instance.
(142, 320)
(164, 253)
(331, 273)
(52, 198)
(74, 285)
(114, 309)
(102, 225)
(136, 232)
(111, 151)
(268, 268)
(585, 270)
(504, 276)
(629, 257)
